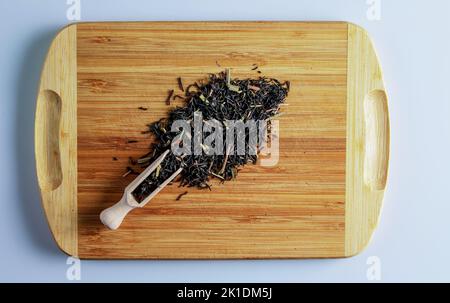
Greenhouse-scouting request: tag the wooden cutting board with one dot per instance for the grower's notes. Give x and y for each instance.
(323, 199)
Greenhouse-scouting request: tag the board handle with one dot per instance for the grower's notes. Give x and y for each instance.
(377, 141)
(113, 216)
(48, 155)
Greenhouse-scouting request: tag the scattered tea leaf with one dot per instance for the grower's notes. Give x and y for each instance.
(180, 84)
(178, 97)
(181, 195)
(169, 96)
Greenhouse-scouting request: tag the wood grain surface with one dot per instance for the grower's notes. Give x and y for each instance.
(297, 209)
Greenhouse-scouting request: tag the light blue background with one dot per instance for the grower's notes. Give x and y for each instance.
(412, 240)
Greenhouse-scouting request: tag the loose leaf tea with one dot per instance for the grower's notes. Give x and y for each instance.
(219, 99)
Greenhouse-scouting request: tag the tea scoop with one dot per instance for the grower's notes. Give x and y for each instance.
(113, 216)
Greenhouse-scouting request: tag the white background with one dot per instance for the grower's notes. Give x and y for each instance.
(411, 242)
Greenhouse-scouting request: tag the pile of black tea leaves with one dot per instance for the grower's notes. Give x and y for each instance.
(218, 98)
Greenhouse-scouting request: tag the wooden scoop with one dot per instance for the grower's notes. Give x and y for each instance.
(113, 216)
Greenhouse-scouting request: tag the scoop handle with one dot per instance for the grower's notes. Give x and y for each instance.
(113, 216)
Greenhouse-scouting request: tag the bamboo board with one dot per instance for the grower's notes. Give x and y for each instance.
(322, 200)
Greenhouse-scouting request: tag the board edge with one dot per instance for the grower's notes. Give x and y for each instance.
(59, 77)
(364, 200)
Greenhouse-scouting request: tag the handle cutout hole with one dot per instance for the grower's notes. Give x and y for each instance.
(377, 141)
(48, 116)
